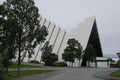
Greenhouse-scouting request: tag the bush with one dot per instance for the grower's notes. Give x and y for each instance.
(59, 64)
(49, 59)
(34, 61)
(11, 62)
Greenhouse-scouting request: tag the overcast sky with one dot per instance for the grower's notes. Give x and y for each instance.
(69, 13)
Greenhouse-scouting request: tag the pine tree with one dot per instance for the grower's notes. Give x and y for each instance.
(90, 54)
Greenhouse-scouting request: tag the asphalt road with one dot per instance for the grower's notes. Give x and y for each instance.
(71, 74)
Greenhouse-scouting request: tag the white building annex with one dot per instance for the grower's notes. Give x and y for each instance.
(86, 33)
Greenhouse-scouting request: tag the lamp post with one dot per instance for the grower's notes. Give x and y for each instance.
(119, 59)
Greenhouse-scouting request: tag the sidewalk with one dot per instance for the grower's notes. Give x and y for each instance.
(106, 75)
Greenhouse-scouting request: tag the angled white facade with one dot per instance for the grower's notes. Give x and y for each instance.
(58, 37)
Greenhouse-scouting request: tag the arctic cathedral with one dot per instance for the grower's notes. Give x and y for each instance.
(86, 33)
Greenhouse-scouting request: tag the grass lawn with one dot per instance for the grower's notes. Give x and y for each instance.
(23, 66)
(13, 74)
(115, 74)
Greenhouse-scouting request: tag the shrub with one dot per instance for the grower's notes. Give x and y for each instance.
(11, 62)
(59, 64)
(49, 59)
(34, 61)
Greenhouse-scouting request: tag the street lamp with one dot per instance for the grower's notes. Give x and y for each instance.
(119, 58)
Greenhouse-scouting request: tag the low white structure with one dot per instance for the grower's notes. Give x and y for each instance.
(86, 33)
(100, 62)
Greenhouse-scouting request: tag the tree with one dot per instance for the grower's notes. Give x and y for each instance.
(7, 41)
(28, 32)
(47, 56)
(70, 57)
(89, 54)
(65, 56)
(79, 52)
(109, 60)
(72, 51)
(46, 50)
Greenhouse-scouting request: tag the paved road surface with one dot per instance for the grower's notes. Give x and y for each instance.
(70, 74)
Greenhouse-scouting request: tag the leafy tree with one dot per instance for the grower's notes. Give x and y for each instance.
(79, 51)
(46, 49)
(90, 54)
(72, 51)
(7, 41)
(70, 57)
(109, 60)
(27, 31)
(47, 56)
(65, 56)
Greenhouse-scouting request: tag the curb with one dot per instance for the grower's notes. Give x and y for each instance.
(105, 75)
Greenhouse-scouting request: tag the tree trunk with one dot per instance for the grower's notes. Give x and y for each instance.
(19, 64)
(23, 57)
(1, 73)
(19, 55)
(69, 64)
(72, 64)
(107, 63)
(6, 72)
(28, 60)
(88, 63)
(79, 63)
(95, 64)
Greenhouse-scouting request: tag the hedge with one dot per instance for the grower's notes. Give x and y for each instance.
(59, 64)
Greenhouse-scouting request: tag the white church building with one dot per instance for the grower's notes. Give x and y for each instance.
(86, 33)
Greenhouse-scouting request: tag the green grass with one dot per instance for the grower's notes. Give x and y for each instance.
(13, 74)
(23, 66)
(115, 74)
